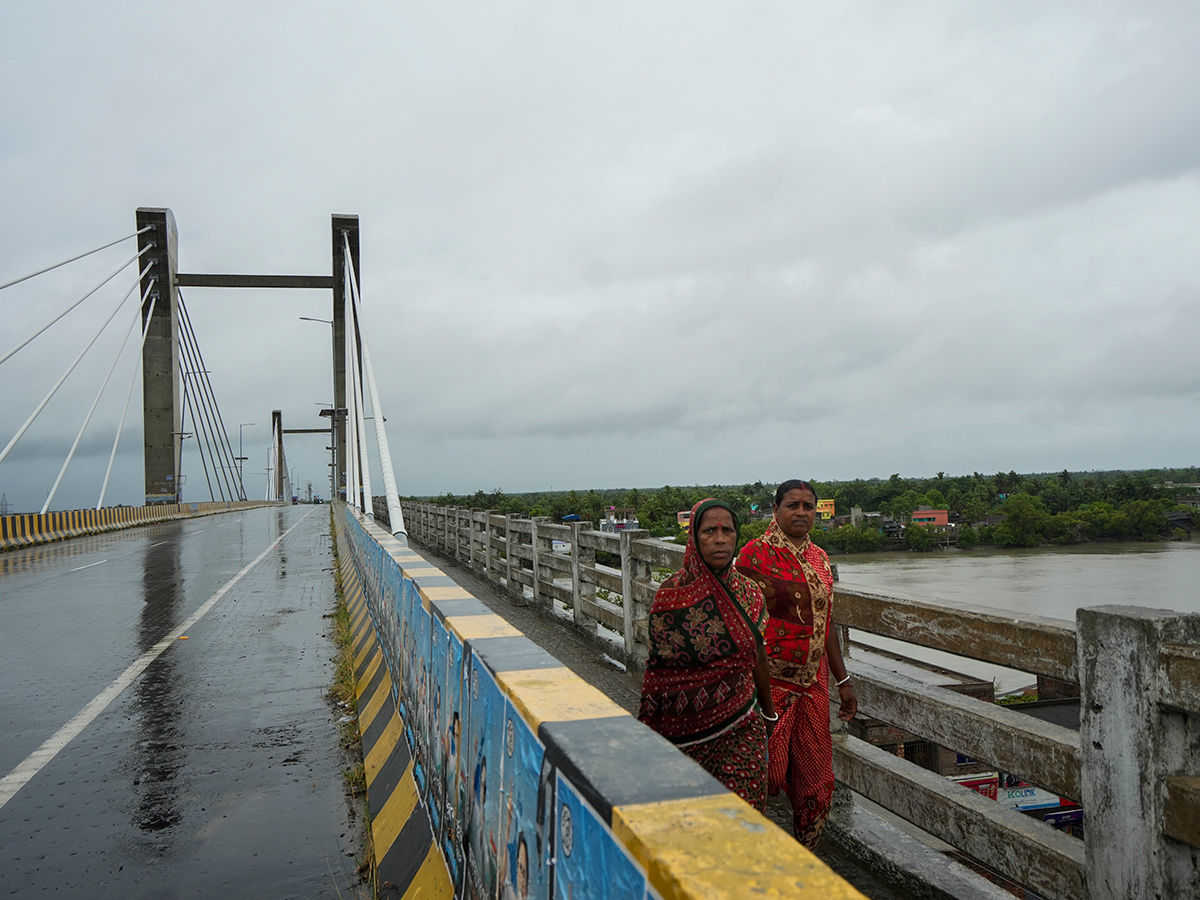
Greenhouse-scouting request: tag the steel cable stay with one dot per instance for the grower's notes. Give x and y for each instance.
(45, 327)
(190, 368)
(129, 393)
(224, 444)
(71, 368)
(75, 258)
(353, 420)
(363, 468)
(395, 514)
(360, 412)
(347, 351)
(88, 418)
(277, 462)
(270, 460)
(199, 435)
(360, 431)
(202, 416)
(353, 496)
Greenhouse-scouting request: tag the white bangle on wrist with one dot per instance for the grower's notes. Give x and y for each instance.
(766, 718)
(845, 680)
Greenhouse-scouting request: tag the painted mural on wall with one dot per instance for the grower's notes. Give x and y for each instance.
(590, 865)
(509, 824)
(438, 723)
(526, 838)
(486, 738)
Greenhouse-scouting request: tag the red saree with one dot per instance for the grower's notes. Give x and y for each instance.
(698, 690)
(797, 585)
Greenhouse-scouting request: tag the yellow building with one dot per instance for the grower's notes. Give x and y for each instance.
(824, 510)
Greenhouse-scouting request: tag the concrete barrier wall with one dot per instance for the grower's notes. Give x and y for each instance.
(28, 529)
(529, 781)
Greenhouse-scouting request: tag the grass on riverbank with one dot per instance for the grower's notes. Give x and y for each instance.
(342, 694)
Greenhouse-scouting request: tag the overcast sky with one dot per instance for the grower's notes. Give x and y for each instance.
(625, 244)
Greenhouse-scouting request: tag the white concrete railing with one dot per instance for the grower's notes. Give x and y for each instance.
(1134, 765)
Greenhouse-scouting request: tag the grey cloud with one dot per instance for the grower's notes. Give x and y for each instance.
(638, 245)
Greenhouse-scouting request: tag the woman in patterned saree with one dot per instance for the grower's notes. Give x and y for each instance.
(707, 663)
(803, 649)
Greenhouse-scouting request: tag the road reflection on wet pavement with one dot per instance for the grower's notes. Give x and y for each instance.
(217, 771)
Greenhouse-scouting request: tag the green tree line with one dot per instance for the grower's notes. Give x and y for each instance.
(1060, 507)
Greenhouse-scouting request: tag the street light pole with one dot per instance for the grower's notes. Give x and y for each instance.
(241, 459)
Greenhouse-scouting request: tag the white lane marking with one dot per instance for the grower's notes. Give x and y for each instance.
(39, 758)
(201, 531)
(89, 565)
(159, 544)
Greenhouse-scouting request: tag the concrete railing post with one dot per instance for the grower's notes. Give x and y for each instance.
(469, 522)
(632, 570)
(542, 545)
(1129, 745)
(583, 593)
(483, 519)
(491, 532)
(509, 538)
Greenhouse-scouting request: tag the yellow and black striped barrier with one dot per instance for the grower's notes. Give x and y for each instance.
(530, 782)
(407, 861)
(30, 529)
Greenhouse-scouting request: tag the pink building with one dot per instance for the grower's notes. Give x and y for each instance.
(931, 517)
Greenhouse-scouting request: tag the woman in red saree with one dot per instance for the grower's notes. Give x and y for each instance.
(707, 664)
(797, 585)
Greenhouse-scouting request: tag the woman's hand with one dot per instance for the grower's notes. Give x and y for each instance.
(762, 685)
(849, 707)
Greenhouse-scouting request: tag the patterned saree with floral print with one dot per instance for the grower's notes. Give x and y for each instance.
(705, 629)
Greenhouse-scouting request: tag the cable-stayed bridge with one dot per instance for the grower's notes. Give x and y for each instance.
(494, 767)
(179, 407)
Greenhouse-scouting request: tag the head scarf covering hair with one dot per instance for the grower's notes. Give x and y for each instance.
(705, 629)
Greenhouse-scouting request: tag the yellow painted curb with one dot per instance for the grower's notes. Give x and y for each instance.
(555, 695)
(720, 848)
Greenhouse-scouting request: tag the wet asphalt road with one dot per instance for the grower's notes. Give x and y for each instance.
(213, 772)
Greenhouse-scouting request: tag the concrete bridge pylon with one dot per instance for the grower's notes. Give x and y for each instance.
(161, 409)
